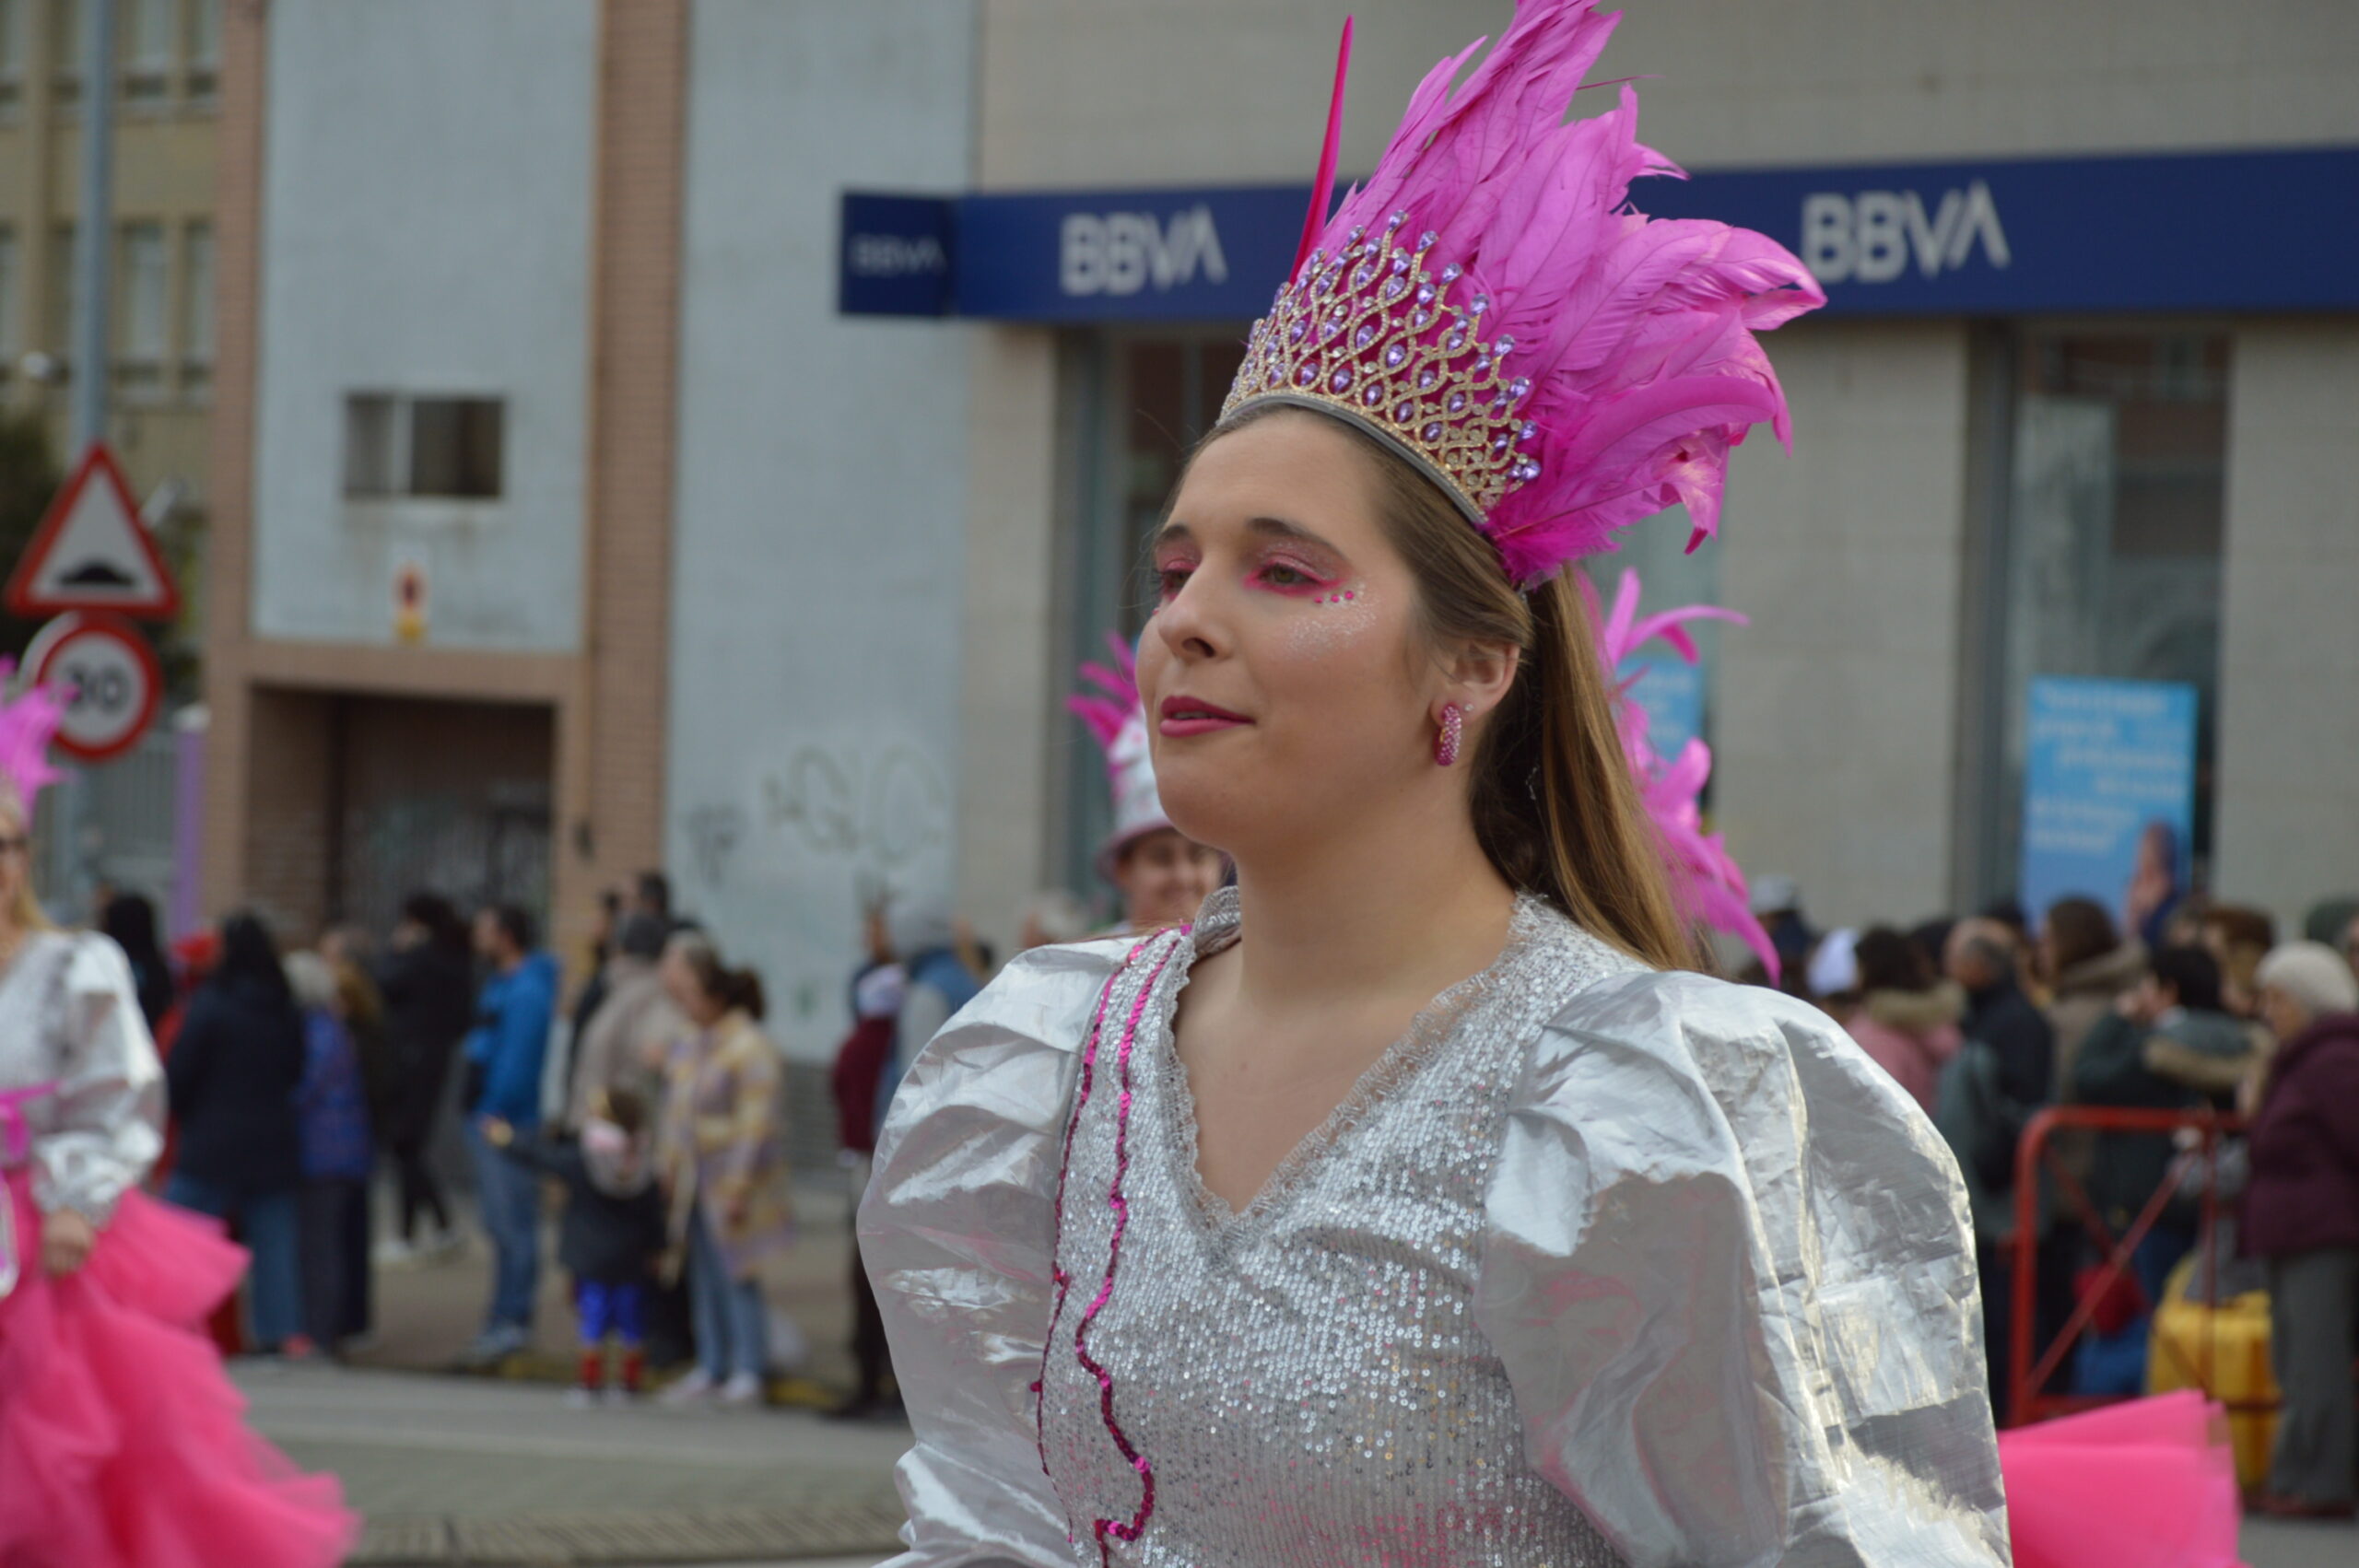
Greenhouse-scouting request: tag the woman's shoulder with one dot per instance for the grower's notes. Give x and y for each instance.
(1677, 1028)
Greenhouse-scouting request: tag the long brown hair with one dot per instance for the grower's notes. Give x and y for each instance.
(1554, 806)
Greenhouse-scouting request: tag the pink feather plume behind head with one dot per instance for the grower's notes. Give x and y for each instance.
(1705, 877)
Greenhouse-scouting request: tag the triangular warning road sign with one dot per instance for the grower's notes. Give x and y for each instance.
(92, 552)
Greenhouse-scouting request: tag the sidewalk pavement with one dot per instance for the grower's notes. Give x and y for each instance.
(471, 1471)
(451, 1471)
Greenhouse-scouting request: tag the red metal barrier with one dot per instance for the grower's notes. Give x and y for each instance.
(2027, 1372)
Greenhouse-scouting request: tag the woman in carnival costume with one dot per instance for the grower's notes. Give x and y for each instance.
(122, 1441)
(1421, 1204)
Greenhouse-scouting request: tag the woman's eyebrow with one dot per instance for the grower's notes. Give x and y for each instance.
(1279, 528)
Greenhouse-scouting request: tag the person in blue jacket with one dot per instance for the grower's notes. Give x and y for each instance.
(504, 1053)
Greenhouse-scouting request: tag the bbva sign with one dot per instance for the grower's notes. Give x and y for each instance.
(1123, 252)
(1871, 237)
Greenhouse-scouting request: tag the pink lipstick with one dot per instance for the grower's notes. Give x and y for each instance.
(1193, 716)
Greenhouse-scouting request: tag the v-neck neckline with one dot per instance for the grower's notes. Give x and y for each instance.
(1219, 926)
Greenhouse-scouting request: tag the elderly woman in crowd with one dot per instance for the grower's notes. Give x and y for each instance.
(2302, 1215)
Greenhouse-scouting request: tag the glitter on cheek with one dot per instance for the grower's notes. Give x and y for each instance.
(1334, 622)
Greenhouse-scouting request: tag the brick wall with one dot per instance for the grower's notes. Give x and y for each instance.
(611, 805)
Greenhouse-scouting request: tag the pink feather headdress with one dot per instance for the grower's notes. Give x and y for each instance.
(29, 722)
(1490, 306)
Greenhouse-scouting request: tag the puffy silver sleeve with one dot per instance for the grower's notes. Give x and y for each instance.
(105, 1126)
(959, 1235)
(1730, 1273)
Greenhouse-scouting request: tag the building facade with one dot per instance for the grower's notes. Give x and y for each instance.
(578, 510)
(168, 99)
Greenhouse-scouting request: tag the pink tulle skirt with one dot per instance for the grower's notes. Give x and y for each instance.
(2147, 1485)
(123, 1443)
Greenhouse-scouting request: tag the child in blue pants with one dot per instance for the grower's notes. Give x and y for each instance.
(613, 1235)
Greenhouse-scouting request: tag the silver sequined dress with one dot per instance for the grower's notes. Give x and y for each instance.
(1596, 1266)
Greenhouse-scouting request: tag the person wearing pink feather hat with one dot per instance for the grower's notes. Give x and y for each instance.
(1161, 874)
(122, 1440)
(1422, 1203)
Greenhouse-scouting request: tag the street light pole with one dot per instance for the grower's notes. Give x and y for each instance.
(95, 229)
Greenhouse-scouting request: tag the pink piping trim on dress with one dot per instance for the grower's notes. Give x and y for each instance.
(1101, 1528)
(1064, 1169)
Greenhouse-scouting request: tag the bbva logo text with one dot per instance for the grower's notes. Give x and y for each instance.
(1871, 237)
(1121, 252)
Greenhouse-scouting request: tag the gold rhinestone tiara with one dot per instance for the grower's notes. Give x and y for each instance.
(1367, 337)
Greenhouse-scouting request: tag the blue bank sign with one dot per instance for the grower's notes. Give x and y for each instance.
(2173, 232)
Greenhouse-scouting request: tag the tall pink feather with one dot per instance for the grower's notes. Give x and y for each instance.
(1705, 877)
(1323, 192)
(28, 724)
(1106, 715)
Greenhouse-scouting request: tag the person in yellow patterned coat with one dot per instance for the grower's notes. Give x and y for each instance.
(723, 1160)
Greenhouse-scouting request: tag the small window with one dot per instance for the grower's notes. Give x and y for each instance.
(196, 306)
(426, 447)
(66, 50)
(203, 41)
(454, 446)
(147, 51)
(12, 282)
(369, 441)
(12, 53)
(140, 344)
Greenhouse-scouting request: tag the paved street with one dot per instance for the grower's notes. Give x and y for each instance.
(460, 1471)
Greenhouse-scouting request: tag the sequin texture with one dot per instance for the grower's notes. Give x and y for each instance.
(1305, 1379)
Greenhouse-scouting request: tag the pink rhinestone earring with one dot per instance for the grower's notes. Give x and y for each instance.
(1453, 730)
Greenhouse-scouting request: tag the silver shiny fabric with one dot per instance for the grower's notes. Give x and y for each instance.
(1598, 1266)
(69, 1017)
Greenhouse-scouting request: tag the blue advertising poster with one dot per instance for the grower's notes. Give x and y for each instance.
(2108, 789)
(1672, 692)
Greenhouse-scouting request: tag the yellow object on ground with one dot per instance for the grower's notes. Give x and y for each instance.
(2225, 1352)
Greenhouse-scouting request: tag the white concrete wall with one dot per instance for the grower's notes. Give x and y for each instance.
(2288, 831)
(1086, 92)
(820, 532)
(425, 225)
(1836, 718)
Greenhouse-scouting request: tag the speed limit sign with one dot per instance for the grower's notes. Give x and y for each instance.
(112, 682)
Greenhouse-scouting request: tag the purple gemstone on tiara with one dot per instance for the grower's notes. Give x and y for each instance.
(1432, 432)
(1482, 361)
(1399, 217)
(1359, 232)
(1428, 239)
(1305, 375)
(1404, 412)
(1520, 388)
(1451, 273)
(1342, 379)
(1422, 318)
(1498, 443)
(1366, 335)
(1399, 261)
(1528, 431)
(1457, 403)
(1394, 288)
(1373, 394)
(1426, 377)
(1482, 303)
(1326, 284)
(1365, 275)
(1396, 356)
(1301, 326)
(1505, 346)
(1456, 340)
(1424, 294)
